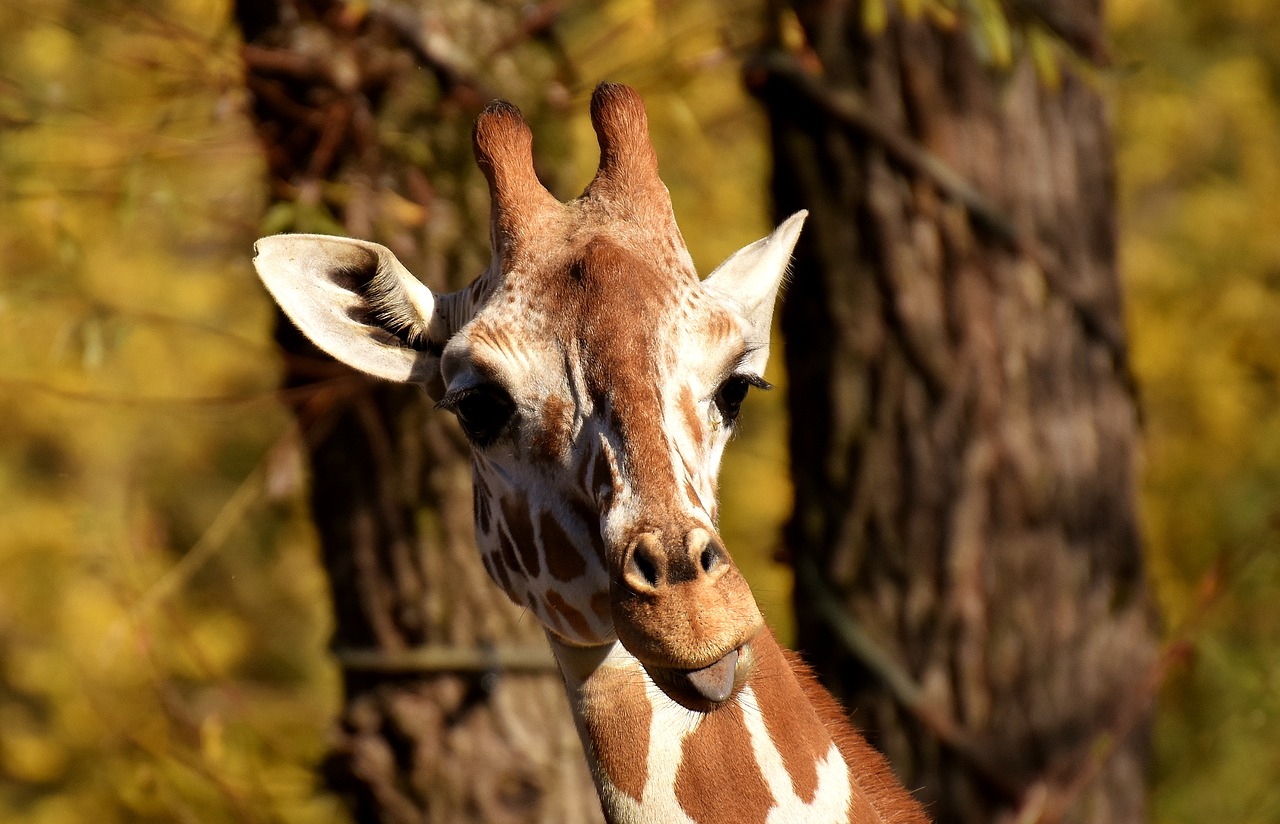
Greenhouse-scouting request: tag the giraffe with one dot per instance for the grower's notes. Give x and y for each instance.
(598, 380)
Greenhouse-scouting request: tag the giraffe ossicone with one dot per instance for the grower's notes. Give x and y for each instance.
(598, 380)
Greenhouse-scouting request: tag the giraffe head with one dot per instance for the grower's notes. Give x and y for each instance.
(598, 380)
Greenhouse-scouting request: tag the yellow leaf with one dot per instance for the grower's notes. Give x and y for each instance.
(1044, 54)
(995, 33)
(29, 756)
(875, 16)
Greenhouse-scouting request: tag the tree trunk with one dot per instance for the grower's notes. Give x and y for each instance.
(365, 116)
(963, 435)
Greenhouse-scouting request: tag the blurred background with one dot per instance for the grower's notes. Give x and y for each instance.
(166, 619)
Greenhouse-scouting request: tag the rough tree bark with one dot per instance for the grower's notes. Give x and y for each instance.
(365, 113)
(970, 578)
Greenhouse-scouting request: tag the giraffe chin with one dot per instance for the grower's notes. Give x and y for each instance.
(707, 688)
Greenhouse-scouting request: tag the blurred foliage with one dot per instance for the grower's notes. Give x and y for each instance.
(163, 617)
(1198, 118)
(161, 624)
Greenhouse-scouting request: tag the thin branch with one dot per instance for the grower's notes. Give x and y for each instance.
(1086, 40)
(902, 686)
(449, 659)
(284, 62)
(456, 80)
(282, 395)
(215, 536)
(847, 107)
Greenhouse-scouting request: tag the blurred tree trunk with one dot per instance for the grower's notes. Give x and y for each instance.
(365, 113)
(970, 579)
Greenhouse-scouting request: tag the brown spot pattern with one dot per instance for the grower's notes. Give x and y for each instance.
(481, 485)
(877, 793)
(589, 519)
(480, 505)
(507, 552)
(516, 514)
(721, 326)
(552, 439)
(498, 569)
(601, 605)
(692, 494)
(617, 293)
(793, 726)
(563, 559)
(553, 618)
(689, 412)
(559, 606)
(617, 716)
(719, 779)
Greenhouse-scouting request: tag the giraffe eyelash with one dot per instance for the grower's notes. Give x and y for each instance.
(730, 394)
(484, 411)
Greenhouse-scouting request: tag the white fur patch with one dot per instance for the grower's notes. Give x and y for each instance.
(830, 803)
(669, 725)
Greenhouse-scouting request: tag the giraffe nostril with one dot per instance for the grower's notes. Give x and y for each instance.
(644, 568)
(712, 557)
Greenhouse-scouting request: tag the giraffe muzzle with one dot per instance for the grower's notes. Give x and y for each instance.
(708, 687)
(683, 609)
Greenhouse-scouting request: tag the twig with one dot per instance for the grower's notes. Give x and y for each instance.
(848, 108)
(902, 686)
(1086, 41)
(285, 62)
(294, 394)
(214, 537)
(438, 658)
(455, 79)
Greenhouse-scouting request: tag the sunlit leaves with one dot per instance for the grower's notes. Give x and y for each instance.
(129, 194)
(136, 384)
(1199, 126)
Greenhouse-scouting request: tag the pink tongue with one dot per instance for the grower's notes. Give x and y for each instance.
(715, 683)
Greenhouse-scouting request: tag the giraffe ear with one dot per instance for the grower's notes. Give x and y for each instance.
(353, 299)
(748, 281)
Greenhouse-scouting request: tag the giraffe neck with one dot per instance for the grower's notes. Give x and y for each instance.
(779, 751)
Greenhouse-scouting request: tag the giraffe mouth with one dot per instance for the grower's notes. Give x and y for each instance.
(704, 688)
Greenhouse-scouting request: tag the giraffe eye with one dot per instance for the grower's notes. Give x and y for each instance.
(483, 412)
(733, 392)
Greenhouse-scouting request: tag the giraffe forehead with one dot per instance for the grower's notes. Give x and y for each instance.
(629, 319)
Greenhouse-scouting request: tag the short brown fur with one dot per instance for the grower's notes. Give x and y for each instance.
(719, 779)
(519, 203)
(516, 515)
(564, 560)
(617, 720)
(873, 779)
(793, 726)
